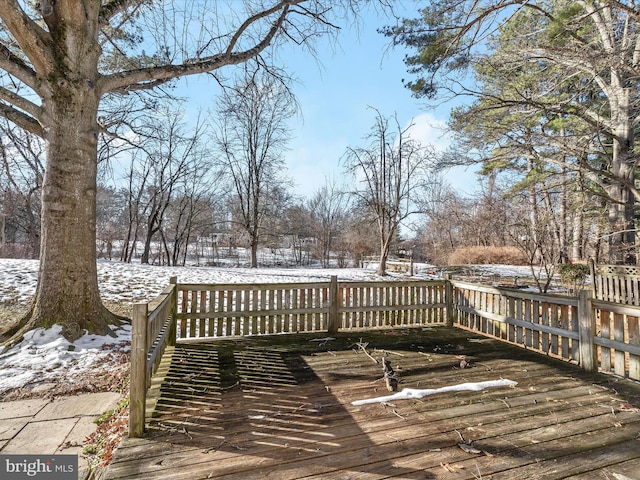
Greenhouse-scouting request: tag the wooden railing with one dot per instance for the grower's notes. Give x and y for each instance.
(224, 310)
(548, 324)
(616, 283)
(617, 335)
(593, 333)
(153, 329)
(185, 312)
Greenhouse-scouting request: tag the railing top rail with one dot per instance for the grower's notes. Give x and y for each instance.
(390, 283)
(161, 297)
(249, 285)
(618, 270)
(514, 293)
(291, 285)
(632, 310)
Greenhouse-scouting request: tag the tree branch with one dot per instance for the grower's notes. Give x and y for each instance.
(19, 102)
(21, 119)
(146, 78)
(114, 7)
(32, 39)
(251, 20)
(15, 66)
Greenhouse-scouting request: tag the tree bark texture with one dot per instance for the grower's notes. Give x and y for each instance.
(67, 291)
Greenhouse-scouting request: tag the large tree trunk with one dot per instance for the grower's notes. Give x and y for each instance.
(577, 241)
(622, 225)
(386, 237)
(621, 210)
(146, 252)
(68, 257)
(67, 291)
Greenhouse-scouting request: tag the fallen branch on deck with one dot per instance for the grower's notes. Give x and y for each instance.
(389, 376)
(363, 347)
(412, 393)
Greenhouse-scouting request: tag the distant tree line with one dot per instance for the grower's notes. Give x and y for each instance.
(175, 199)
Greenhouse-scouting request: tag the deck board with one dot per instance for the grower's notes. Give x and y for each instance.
(281, 408)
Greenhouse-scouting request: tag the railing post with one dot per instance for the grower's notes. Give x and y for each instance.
(448, 300)
(138, 387)
(333, 306)
(592, 272)
(586, 332)
(174, 310)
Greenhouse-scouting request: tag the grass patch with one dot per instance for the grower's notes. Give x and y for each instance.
(111, 427)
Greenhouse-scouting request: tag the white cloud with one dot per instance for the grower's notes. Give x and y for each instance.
(429, 130)
(434, 132)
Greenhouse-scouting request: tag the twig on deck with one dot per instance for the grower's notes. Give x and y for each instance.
(484, 365)
(230, 386)
(363, 346)
(385, 352)
(397, 414)
(213, 449)
(428, 355)
(394, 438)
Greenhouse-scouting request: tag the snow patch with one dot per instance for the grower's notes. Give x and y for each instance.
(44, 355)
(411, 393)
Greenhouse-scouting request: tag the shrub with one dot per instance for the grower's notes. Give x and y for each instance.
(487, 256)
(573, 275)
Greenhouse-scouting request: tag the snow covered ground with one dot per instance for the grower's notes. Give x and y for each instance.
(45, 363)
(129, 282)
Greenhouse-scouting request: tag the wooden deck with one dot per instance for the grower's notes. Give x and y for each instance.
(280, 407)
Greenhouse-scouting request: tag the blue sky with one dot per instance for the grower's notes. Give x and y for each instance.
(335, 90)
(362, 71)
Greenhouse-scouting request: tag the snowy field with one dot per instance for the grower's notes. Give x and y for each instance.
(129, 282)
(45, 363)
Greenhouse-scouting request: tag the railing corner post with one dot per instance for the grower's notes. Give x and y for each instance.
(174, 311)
(448, 299)
(586, 332)
(333, 306)
(138, 387)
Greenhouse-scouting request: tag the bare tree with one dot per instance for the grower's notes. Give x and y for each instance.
(110, 224)
(390, 175)
(358, 238)
(60, 59)
(137, 178)
(188, 215)
(297, 229)
(22, 169)
(533, 233)
(328, 208)
(252, 133)
(174, 156)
